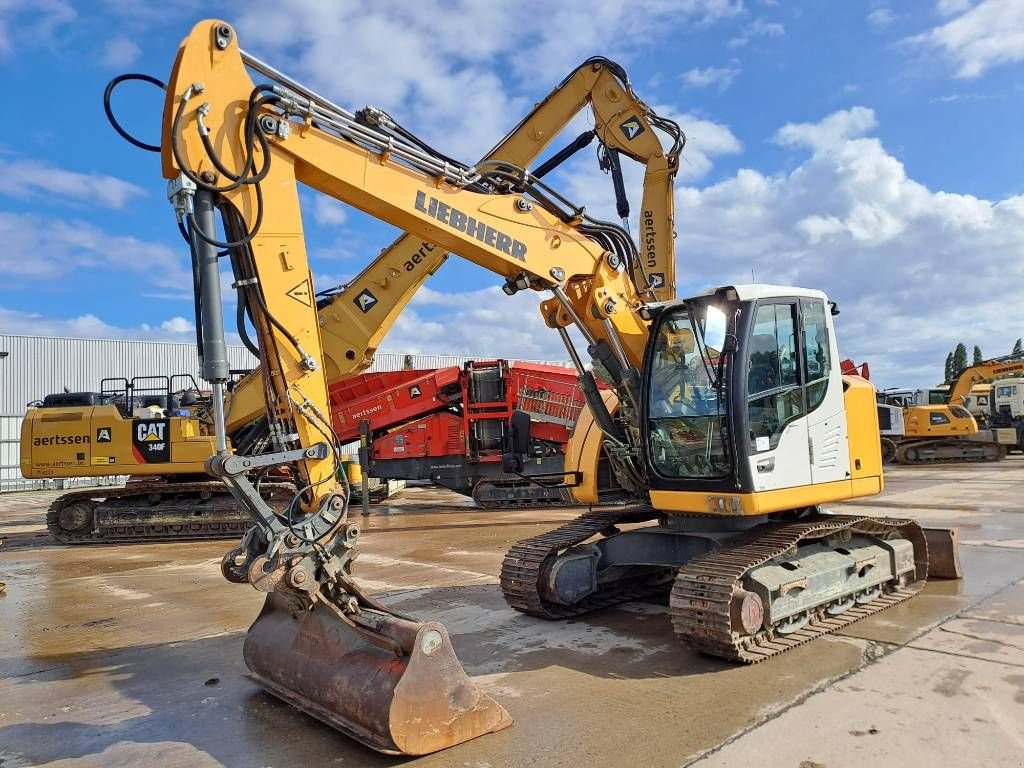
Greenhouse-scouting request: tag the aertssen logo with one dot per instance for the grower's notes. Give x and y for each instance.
(463, 222)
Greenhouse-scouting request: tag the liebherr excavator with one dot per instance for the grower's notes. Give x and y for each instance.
(947, 432)
(169, 496)
(733, 421)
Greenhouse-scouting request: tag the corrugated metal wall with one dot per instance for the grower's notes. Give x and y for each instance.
(35, 366)
(38, 365)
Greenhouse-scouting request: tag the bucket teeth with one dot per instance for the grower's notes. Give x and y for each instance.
(411, 702)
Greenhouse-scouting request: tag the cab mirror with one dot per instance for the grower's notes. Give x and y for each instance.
(714, 329)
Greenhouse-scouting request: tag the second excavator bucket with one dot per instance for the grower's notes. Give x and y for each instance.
(413, 698)
(943, 553)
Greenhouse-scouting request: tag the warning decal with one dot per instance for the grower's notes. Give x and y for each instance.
(302, 293)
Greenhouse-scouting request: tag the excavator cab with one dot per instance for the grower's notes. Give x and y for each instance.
(755, 404)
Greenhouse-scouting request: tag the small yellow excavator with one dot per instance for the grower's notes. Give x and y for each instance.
(729, 421)
(158, 430)
(947, 432)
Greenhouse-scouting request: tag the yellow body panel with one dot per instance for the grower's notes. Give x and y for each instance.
(93, 441)
(763, 502)
(583, 451)
(862, 430)
(917, 422)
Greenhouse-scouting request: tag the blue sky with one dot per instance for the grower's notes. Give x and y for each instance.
(871, 149)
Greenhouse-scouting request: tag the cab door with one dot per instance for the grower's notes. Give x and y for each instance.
(828, 441)
(778, 447)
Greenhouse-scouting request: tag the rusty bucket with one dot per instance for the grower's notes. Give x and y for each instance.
(943, 553)
(407, 695)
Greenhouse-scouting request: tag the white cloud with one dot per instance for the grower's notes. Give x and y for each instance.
(328, 212)
(881, 17)
(720, 77)
(433, 65)
(177, 324)
(987, 35)
(845, 124)
(483, 324)
(40, 247)
(29, 178)
(89, 326)
(34, 22)
(705, 140)
(950, 7)
(757, 28)
(914, 270)
(120, 52)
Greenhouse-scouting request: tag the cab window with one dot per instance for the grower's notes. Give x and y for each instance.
(686, 417)
(774, 394)
(817, 354)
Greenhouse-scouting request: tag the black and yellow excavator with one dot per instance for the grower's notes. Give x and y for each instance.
(730, 422)
(158, 430)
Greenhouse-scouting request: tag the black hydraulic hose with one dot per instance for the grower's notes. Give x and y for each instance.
(564, 154)
(621, 201)
(108, 92)
(241, 312)
(197, 298)
(233, 223)
(244, 239)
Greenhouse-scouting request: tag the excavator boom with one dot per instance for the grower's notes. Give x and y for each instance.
(355, 317)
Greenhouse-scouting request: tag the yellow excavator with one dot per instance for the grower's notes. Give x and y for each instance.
(158, 430)
(948, 432)
(730, 421)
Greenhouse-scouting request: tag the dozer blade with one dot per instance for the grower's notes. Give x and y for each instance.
(413, 698)
(943, 553)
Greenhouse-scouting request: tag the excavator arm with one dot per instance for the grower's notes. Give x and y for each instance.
(239, 149)
(979, 372)
(355, 317)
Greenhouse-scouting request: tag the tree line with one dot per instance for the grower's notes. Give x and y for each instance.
(956, 361)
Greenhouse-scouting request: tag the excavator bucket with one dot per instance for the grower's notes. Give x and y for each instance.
(410, 699)
(943, 553)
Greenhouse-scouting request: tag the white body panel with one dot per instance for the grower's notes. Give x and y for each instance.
(787, 465)
(827, 428)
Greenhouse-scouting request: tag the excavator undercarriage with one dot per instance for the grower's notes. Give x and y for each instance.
(743, 595)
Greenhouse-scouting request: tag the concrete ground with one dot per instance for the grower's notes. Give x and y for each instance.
(131, 655)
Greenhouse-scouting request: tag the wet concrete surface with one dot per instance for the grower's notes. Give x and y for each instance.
(131, 655)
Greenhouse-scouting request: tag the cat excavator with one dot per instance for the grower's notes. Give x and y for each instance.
(729, 420)
(161, 439)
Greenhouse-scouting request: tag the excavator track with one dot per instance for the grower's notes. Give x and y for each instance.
(204, 510)
(703, 594)
(518, 494)
(523, 569)
(954, 451)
